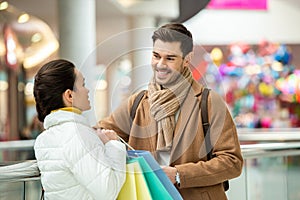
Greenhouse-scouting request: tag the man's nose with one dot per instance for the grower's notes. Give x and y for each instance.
(161, 62)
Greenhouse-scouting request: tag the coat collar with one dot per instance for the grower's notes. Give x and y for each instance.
(61, 116)
(197, 88)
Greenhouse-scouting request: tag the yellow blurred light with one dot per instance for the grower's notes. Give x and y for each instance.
(216, 56)
(3, 5)
(41, 55)
(3, 85)
(277, 66)
(36, 38)
(29, 89)
(127, 3)
(21, 87)
(23, 18)
(2, 49)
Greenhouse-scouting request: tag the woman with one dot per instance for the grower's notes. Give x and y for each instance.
(75, 161)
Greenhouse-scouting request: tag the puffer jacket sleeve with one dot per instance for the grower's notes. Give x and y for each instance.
(100, 168)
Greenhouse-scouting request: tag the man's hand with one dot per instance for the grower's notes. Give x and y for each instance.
(171, 173)
(106, 135)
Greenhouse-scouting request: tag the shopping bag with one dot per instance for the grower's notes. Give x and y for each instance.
(135, 186)
(156, 188)
(152, 170)
(160, 174)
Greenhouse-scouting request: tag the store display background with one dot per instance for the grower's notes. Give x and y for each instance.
(256, 109)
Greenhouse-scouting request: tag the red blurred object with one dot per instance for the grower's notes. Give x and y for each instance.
(12, 46)
(199, 71)
(266, 48)
(244, 47)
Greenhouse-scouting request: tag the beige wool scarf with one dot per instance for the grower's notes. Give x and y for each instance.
(164, 103)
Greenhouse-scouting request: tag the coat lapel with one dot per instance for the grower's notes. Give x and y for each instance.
(187, 124)
(189, 105)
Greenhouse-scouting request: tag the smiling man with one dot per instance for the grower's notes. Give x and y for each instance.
(168, 121)
(167, 65)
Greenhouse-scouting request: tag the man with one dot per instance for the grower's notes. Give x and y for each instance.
(168, 121)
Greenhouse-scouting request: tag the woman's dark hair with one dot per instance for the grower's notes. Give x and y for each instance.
(50, 82)
(175, 32)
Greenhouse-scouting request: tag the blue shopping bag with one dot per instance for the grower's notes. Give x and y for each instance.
(135, 186)
(166, 182)
(157, 189)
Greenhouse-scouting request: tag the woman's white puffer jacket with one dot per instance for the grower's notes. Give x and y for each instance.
(73, 161)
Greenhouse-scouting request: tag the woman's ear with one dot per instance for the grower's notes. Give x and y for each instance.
(68, 98)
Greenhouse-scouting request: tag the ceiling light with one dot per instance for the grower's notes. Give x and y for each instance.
(3, 5)
(36, 38)
(23, 18)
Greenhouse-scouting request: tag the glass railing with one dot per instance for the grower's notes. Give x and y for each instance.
(20, 180)
(271, 167)
(19, 175)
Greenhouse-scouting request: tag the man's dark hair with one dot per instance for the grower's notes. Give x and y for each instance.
(175, 32)
(50, 82)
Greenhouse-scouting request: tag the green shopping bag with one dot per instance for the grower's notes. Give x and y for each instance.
(158, 172)
(135, 186)
(157, 189)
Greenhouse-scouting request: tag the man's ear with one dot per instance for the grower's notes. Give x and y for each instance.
(68, 98)
(188, 59)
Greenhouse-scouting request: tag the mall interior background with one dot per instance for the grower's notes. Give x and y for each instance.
(248, 54)
(248, 51)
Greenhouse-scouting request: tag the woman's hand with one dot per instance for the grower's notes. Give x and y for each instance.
(106, 135)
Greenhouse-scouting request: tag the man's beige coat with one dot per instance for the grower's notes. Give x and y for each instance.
(200, 179)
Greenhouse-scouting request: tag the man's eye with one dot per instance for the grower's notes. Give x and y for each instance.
(156, 56)
(171, 59)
